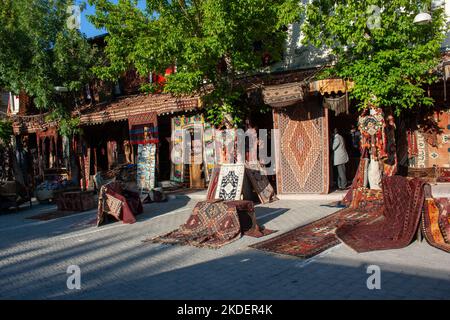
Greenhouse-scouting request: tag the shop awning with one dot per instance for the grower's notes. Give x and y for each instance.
(330, 86)
(134, 105)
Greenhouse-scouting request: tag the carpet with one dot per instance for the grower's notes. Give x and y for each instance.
(231, 178)
(444, 175)
(114, 200)
(260, 182)
(435, 211)
(214, 224)
(403, 203)
(303, 152)
(314, 238)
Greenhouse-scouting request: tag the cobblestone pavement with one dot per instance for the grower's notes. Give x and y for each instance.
(115, 264)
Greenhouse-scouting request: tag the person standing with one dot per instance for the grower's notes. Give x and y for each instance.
(340, 159)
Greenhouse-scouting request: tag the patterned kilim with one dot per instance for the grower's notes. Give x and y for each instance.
(177, 171)
(146, 167)
(209, 149)
(214, 180)
(143, 128)
(212, 225)
(314, 238)
(230, 182)
(422, 147)
(260, 183)
(304, 153)
(435, 212)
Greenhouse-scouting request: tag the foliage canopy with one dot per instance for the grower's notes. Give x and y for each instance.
(213, 43)
(377, 45)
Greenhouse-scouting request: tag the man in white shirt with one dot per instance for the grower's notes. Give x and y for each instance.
(340, 159)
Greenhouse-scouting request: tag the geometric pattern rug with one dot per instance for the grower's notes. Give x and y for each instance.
(303, 152)
(310, 240)
(212, 224)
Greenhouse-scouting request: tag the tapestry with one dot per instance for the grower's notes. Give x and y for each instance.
(211, 225)
(319, 236)
(209, 149)
(230, 182)
(338, 105)
(146, 167)
(87, 166)
(214, 224)
(422, 151)
(260, 183)
(214, 180)
(177, 171)
(112, 154)
(179, 126)
(435, 211)
(402, 209)
(303, 155)
(143, 128)
(280, 96)
(114, 200)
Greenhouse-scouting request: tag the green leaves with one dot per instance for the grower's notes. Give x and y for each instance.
(6, 131)
(392, 60)
(38, 51)
(212, 43)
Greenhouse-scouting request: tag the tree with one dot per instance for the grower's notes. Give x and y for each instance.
(377, 45)
(5, 131)
(213, 44)
(39, 51)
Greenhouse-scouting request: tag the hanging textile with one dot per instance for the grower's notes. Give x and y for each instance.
(146, 167)
(112, 154)
(338, 105)
(210, 152)
(87, 165)
(413, 150)
(66, 151)
(390, 162)
(143, 128)
(204, 147)
(177, 171)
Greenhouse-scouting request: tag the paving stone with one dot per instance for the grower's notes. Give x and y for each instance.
(115, 264)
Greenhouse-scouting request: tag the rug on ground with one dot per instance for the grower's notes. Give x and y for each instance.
(214, 224)
(314, 238)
